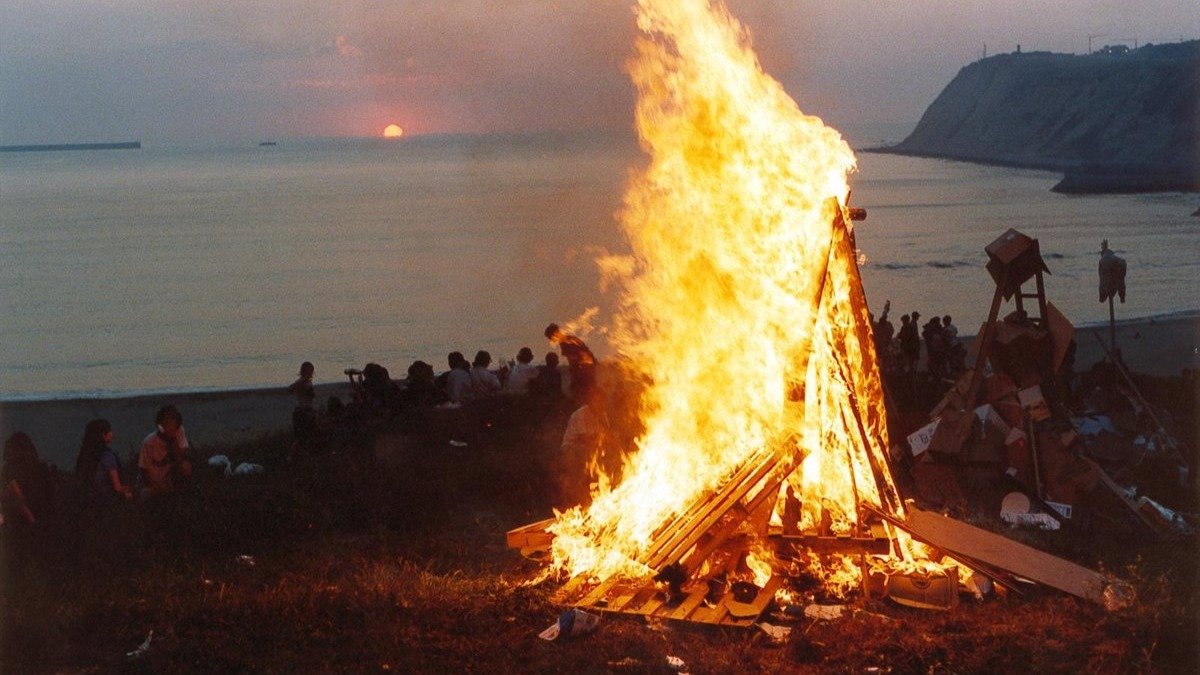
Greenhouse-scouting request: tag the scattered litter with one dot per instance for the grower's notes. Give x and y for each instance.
(883, 617)
(1016, 509)
(977, 584)
(920, 439)
(778, 634)
(246, 560)
(675, 663)
(1042, 521)
(824, 612)
(1118, 595)
(627, 662)
(248, 469)
(924, 591)
(1063, 510)
(1092, 426)
(1014, 503)
(457, 444)
(1164, 516)
(571, 623)
(243, 469)
(142, 648)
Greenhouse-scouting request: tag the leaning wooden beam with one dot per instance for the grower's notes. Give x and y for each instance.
(958, 538)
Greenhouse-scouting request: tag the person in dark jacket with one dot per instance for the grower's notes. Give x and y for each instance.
(97, 466)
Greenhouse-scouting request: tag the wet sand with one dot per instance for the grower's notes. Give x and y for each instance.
(1162, 346)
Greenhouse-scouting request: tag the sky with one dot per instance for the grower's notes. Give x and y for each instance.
(191, 70)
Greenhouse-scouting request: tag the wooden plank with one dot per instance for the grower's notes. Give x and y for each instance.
(650, 606)
(568, 589)
(682, 534)
(763, 498)
(638, 600)
(956, 537)
(731, 506)
(1119, 493)
(998, 576)
(714, 614)
(689, 604)
(598, 592)
(624, 597)
(746, 614)
(531, 535)
(837, 544)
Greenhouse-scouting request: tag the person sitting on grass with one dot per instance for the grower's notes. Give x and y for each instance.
(163, 461)
(483, 381)
(522, 373)
(420, 391)
(97, 466)
(26, 488)
(548, 383)
(458, 380)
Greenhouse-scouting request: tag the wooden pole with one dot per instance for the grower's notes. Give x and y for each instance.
(1112, 327)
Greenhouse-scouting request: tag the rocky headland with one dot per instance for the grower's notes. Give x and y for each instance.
(1119, 120)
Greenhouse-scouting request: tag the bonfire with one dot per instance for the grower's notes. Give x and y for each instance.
(743, 309)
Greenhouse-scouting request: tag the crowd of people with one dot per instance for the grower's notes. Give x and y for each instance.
(29, 492)
(899, 351)
(29, 487)
(479, 387)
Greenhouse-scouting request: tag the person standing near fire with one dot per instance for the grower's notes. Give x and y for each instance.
(581, 363)
(581, 444)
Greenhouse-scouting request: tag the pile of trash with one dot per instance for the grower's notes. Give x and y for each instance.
(1066, 448)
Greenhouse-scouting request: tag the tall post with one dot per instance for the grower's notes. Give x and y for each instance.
(1112, 326)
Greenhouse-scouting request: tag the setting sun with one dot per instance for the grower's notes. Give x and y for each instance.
(393, 131)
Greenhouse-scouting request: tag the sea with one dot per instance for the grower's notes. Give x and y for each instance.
(224, 266)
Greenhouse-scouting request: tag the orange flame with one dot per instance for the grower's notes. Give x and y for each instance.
(742, 305)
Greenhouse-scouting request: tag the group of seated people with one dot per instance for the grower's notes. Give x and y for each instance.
(28, 492)
(376, 396)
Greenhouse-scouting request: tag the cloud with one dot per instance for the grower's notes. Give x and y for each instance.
(112, 67)
(344, 48)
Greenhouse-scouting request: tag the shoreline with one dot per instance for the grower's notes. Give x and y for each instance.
(1075, 177)
(222, 391)
(1161, 345)
(212, 419)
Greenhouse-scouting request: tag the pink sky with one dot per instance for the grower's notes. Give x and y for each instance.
(122, 69)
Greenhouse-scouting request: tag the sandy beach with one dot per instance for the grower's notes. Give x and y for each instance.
(1161, 346)
(213, 419)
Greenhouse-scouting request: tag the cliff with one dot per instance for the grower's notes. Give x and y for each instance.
(1112, 122)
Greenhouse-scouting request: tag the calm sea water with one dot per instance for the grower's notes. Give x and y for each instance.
(222, 267)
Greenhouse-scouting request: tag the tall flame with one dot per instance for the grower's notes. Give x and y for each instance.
(741, 300)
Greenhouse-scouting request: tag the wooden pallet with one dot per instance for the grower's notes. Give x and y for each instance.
(645, 598)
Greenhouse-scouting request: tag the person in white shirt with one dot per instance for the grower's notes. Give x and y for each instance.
(163, 460)
(522, 373)
(483, 381)
(581, 443)
(458, 380)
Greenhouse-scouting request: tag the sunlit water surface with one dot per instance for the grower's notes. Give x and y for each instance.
(224, 267)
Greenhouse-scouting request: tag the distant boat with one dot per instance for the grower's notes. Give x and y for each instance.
(54, 147)
(267, 143)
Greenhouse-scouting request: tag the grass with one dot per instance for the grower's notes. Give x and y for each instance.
(389, 556)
